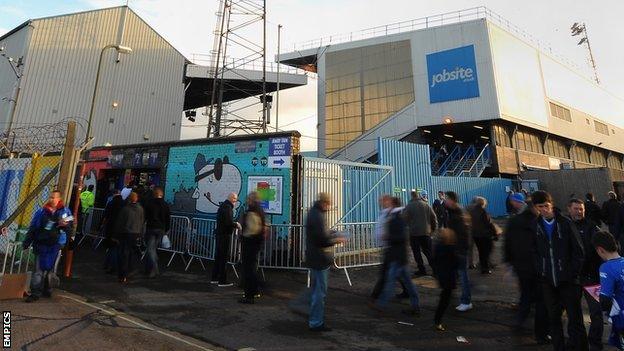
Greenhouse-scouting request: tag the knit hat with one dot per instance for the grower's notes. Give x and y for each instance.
(517, 197)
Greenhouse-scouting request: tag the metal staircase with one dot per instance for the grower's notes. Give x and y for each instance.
(468, 162)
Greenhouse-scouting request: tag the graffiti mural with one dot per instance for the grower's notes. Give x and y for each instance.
(200, 177)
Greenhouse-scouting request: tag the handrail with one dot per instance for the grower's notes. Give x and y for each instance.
(483, 157)
(436, 156)
(241, 64)
(470, 151)
(459, 16)
(454, 153)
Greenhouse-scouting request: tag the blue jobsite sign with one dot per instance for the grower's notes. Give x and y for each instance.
(452, 74)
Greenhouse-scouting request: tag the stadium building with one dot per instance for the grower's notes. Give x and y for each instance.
(487, 97)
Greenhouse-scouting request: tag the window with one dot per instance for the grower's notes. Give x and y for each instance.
(560, 112)
(581, 154)
(556, 148)
(601, 128)
(614, 161)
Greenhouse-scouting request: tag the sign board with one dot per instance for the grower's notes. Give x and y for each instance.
(270, 190)
(279, 162)
(280, 146)
(452, 74)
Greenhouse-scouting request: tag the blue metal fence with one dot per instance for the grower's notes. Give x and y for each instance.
(412, 170)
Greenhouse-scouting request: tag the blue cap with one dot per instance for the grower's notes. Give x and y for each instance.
(518, 197)
(423, 193)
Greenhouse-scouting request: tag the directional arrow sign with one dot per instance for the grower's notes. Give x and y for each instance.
(279, 161)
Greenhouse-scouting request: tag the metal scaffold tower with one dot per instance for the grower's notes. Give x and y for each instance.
(240, 31)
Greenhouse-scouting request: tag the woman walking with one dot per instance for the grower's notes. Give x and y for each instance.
(253, 229)
(483, 232)
(445, 263)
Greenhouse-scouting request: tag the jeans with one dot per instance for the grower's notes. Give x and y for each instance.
(531, 293)
(398, 271)
(318, 284)
(249, 256)
(565, 295)
(153, 238)
(219, 271)
(462, 270)
(381, 282)
(445, 300)
(39, 283)
(484, 246)
(596, 327)
(418, 243)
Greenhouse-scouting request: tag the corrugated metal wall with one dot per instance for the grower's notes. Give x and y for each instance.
(412, 170)
(60, 75)
(14, 47)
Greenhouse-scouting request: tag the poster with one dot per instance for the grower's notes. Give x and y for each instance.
(269, 189)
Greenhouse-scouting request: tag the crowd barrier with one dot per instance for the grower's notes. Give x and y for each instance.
(361, 249)
(92, 227)
(179, 227)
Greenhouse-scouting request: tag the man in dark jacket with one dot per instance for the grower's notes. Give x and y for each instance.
(459, 222)
(519, 241)
(558, 259)
(128, 231)
(440, 209)
(223, 233)
(254, 227)
(592, 210)
(111, 213)
(589, 273)
(421, 222)
(319, 258)
(611, 214)
(157, 218)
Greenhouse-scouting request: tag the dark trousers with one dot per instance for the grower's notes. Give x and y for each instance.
(596, 326)
(531, 294)
(443, 303)
(249, 256)
(381, 281)
(219, 271)
(565, 296)
(126, 256)
(418, 244)
(484, 246)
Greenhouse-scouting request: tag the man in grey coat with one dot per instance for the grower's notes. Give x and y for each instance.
(421, 222)
(129, 230)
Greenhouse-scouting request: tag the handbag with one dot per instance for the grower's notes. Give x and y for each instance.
(165, 243)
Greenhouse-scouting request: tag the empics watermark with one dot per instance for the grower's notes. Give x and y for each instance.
(6, 329)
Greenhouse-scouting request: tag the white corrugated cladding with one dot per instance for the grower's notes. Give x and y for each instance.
(61, 69)
(15, 47)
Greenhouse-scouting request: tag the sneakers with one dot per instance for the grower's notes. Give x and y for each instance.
(246, 300)
(225, 285)
(31, 298)
(440, 328)
(320, 328)
(464, 307)
(214, 282)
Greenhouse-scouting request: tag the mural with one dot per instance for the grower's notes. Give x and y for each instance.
(199, 178)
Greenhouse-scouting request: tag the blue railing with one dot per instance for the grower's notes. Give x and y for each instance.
(455, 153)
(482, 162)
(436, 156)
(467, 157)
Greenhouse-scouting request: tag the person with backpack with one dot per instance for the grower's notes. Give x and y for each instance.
(48, 232)
(254, 228)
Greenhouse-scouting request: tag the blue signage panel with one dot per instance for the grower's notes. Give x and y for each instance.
(279, 146)
(452, 74)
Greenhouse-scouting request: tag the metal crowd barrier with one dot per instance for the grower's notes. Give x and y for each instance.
(178, 236)
(202, 241)
(92, 227)
(284, 248)
(362, 248)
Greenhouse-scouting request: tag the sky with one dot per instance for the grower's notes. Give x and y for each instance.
(188, 25)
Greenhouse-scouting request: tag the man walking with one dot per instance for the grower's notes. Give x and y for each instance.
(111, 213)
(223, 233)
(558, 256)
(421, 222)
(458, 221)
(157, 218)
(129, 230)
(48, 231)
(589, 273)
(319, 257)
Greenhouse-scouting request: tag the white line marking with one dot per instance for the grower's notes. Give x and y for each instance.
(121, 316)
(107, 301)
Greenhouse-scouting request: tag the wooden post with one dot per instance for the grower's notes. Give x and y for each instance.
(66, 173)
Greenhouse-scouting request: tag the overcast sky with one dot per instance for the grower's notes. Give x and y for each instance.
(188, 25)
